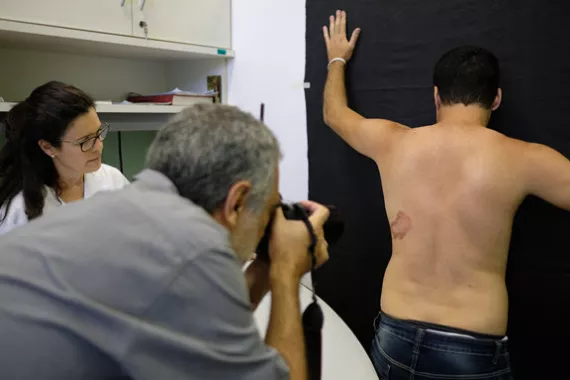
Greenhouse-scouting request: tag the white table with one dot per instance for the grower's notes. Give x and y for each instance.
(343, 355)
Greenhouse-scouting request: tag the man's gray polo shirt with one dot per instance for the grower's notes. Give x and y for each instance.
(138, 282)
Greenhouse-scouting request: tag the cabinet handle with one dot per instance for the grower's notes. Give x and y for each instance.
(123, 3)
(143, 3)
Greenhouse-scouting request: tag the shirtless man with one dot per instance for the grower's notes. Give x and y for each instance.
(451, 192)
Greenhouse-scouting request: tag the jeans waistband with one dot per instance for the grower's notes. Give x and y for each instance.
(441, 333)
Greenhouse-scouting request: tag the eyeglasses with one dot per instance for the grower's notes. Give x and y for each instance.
(88, 144)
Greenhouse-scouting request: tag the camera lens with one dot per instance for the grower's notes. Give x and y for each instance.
(333, 227)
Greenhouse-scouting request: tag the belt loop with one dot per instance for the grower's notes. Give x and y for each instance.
(497, 352)
(420, 333)
(376, 322)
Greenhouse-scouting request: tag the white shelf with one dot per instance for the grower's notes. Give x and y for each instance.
(120, 108)
(16, 34)
(6, 106)
(138, 108)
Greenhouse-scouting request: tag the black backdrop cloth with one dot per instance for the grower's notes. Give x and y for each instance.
(391, 77)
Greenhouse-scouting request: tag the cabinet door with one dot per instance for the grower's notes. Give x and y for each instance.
(107, 16)
(197, 22)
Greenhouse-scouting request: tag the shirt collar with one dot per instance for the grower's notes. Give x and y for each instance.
(157, 181)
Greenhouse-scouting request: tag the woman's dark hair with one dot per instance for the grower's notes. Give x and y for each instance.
(44, 115)
(467, 75)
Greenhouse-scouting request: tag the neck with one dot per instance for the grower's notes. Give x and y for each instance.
(70, 183)
(459, 114)
(68, 179)
(217, 215)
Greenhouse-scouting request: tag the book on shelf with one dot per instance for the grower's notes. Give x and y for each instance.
(215, 86)
(175, 97)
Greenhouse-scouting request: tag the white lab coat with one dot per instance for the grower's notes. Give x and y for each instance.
(104, 179)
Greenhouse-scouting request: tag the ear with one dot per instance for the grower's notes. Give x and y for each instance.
(436, 98)
(47, 148)
(235, 203)
(498, 100)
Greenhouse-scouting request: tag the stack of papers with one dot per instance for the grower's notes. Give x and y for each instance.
(174, 97)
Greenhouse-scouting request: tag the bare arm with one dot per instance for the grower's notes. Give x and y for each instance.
(371, 137)
(289, 262)
(285, 330)
(547, 174)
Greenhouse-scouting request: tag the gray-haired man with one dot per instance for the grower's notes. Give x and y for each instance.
(146, 282)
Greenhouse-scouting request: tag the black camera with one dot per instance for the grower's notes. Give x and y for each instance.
(333, 227)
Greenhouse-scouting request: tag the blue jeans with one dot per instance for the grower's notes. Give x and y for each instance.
(421, 351)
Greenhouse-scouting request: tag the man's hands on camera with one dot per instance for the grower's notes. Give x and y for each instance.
(290, 241)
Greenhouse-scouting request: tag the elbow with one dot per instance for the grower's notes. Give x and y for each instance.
(327, 117)
(334, 114)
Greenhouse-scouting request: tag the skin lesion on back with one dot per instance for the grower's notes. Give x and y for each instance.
(401, 226)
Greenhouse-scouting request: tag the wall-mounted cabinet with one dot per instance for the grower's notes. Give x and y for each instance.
(199, 22)
(100, 47)
(195, 22)
(105, 16)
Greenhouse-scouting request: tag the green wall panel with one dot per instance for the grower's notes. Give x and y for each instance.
(135, 146)
(111, 150)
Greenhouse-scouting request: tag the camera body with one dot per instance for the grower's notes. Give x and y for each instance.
(333, 227)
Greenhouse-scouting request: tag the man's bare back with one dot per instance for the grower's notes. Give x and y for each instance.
(451, 193)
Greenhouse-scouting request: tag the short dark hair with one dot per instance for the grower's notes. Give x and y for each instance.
(207, 148)
(467, 75)
(45, 115)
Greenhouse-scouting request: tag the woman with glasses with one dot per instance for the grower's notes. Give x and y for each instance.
(52, 154)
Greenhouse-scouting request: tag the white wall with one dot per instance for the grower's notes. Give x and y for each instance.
(269, 40)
